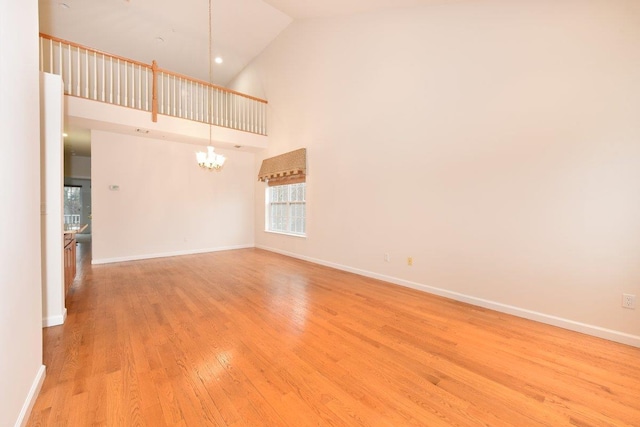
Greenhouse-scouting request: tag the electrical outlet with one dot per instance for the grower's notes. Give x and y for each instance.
(629, 301)
(387, 258)
(410, 261)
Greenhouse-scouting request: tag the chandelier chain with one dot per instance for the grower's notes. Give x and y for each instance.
(210, 160)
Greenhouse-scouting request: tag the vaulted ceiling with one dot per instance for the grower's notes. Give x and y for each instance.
(175, 33)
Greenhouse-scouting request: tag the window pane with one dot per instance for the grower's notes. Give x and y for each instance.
(286, 208)
(72, 205)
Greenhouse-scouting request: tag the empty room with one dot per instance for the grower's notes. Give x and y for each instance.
(320, 213)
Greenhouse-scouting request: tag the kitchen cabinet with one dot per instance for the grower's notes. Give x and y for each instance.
(69, 260)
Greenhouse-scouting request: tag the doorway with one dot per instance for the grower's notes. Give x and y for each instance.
(72, 205)
(77, 205)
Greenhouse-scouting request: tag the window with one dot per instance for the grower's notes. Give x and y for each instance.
(72, 204)
(286, 209)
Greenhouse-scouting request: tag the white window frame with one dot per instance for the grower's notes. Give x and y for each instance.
(289, 223)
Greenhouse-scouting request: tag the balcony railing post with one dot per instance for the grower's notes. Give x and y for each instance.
(154, 90)
(86, 76)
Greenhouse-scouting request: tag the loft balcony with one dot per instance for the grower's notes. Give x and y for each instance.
(156, 101)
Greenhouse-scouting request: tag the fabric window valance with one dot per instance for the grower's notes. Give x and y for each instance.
(287, 168)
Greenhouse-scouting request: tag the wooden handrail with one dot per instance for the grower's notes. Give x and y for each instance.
(233, 115)
(79, 46)
(151, 67)
(212, 85)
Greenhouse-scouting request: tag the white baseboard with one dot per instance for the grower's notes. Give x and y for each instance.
(54, 320)
(597, 331)
(169, 254)
(23, 418)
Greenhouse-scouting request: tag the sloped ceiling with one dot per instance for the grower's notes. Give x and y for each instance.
(301, 9)
(176, 33)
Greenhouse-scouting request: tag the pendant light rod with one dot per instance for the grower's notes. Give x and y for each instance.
(210, 160)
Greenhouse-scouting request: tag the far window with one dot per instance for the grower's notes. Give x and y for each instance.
(286, 209)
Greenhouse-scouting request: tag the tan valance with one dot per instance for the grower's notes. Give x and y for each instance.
(287, 168)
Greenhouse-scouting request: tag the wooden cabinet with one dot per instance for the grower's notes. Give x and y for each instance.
(69, 260)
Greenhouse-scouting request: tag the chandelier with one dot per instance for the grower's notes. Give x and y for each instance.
(210, 160)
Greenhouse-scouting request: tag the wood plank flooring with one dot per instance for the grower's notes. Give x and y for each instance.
(252, 338)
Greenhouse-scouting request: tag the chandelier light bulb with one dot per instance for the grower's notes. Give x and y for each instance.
(210, 160)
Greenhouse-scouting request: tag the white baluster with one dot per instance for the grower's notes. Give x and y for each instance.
(180, 97)
(110, 80)
(140, 87)
(78, 75)
(232, 118)
(161, 97)
(245, 115)
(214, 106)
(41, 54)
(240, 108)
(86, 73)
(146, 88)
(50, 56)
(69, 70)
(60, 61)
(126, 84)
(174, 103)
(227, 110)
(103, 79)
(234, 112)
(253, 116)
(95, 76)
(118, 83)
(169, 97)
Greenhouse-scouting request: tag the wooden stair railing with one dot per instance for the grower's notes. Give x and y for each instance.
(100, 76)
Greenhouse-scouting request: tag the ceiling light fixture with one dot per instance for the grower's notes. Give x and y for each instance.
(210, 160)
(219, 60)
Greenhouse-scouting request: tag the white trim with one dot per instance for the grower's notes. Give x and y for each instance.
(284, 233)
(169, 254)
(54, 320)
(23, 418)
(267, 210)
(597, 331)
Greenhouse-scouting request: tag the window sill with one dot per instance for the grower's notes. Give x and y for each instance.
(303, 236)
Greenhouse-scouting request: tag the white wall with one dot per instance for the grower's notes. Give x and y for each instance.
(21, 367)
(86, 113)
(166, 205)
(495, 142)
(51, 166)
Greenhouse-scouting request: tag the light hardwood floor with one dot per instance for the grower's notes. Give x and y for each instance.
(252, 338)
